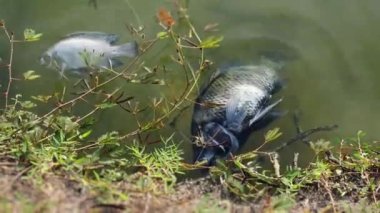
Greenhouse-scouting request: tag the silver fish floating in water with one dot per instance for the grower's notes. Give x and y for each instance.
(233, 104)
(82, 50)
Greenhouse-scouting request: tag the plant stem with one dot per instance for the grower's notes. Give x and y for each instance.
(10, 37)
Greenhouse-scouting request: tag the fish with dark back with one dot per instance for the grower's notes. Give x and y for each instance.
(236, 101)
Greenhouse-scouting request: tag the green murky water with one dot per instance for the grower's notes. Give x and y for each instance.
(333, 77)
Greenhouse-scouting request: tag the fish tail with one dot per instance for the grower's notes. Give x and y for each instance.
(128, 49)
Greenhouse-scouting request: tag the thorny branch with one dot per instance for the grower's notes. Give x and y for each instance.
(191, 85)
(92, 89)
(328, 189)
(301, 136)
(10, 37)
(191, 80)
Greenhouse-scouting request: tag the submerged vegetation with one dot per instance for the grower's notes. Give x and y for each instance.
(53, 160)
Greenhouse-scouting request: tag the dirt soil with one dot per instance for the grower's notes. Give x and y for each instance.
(60, 194)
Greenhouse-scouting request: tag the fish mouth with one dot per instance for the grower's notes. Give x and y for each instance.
(46, 59)
(42, 61)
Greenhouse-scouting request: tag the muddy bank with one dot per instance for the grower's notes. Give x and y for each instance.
(61, 193)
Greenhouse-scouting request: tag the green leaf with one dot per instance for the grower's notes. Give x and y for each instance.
(158, 81)
(106, 105)
(27, 104)
(31, 35)
(42, 98)
(211, 42)
(272, 134)
(66, 124)
(85, 135)
(29, 75)
(162, 35)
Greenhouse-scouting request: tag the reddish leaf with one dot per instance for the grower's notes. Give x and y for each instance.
(165, 18)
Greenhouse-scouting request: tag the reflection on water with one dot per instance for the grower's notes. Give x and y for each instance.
(331, 47)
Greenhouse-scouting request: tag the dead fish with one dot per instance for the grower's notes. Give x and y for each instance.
(241, 98)
(82, 50)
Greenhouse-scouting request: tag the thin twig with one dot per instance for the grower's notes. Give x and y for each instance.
(305, 134)
(296, 119)
(139, 23)
(93, 145)
(276, 165)
(340, 152)
(295, 160)
(10, 37)
(90, 90)
(87, 115)
(190, 84)
(108, 96)
(327, 187)
(176, 106)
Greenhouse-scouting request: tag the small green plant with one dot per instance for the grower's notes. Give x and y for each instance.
(352, 174)
(163, 164)
(31, 35)
(60, 142)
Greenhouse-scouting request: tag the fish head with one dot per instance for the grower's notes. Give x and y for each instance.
(46, 58)
(217, 142)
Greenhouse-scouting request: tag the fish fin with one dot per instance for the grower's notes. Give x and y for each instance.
(278, 85)
(263, 112)
(114, 62)
(276, 63)
(226, 67)
(269, 118)
(215, 74)
(130, 49)
(234, 144)
(235, 112)
(62, 72)
(109, 37)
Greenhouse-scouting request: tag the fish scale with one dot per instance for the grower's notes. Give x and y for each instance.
(228, 81)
